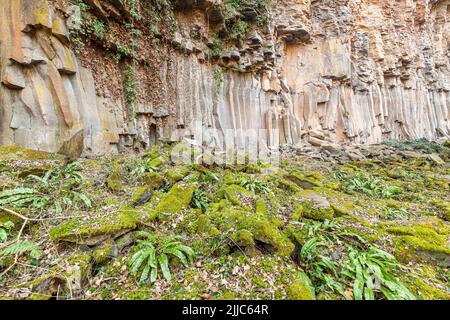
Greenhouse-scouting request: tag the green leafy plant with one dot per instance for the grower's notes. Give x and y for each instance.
(153, 254)
(254, 185)
(22, 247)
(332, 262)
(200, 199)
(371, 186)
(5, 230)
(60, 187)
(373, 273)
(210, 177)
(422, 144)
(218, 78)
(130, 88)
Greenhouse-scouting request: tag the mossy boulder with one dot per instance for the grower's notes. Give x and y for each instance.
(70, 274)
(141, 196)
(426, 240)
(114, 181)
(236, 194)
(175, 174)
(178, 198)
(301, 289)
(313, 206)
(93, 230)
(18, 153)
(249, 228)
(154, 180)
(305, 181)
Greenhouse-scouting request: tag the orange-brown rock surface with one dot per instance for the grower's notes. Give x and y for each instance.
(347, 70)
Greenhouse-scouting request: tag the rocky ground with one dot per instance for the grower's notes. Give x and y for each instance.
(332, 222)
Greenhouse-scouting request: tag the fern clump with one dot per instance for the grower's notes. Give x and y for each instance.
(370, 273)
(5, 230)
(59, 187)
(371, 186)
(153, 254)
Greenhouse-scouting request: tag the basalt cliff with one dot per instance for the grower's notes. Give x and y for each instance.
(93, 77)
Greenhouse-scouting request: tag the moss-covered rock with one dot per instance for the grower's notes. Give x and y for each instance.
(141, 196)
(178, 198)
(305, 181)
(70, 275)
(301, 289)
(18, 153)
(93, 230)
(114, 181)
(425, 240)
(102, 253)
(175, 174)
(236, 194)
(313, 206)
(154, 180)
(249, 228)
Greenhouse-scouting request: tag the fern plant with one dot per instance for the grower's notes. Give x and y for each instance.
(373, 272)
(200, 200)
(153, 254)
(255, 186)
(370, 273)
(371, 186)
(5, 230)
(59, 187)
(21, 247)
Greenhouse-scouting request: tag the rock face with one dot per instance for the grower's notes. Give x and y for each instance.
(349, 70)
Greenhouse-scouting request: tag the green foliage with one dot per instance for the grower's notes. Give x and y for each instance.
(88, 26)
(394, 214)
(209, 177)
(122, 51)
(200, 199)
(22, 247)
(218, 78)
(254, 185)
(134, 9)
(217, 49)
(5, 230)
(371, 186)
(130, 88)
(372, 272)
(233, 12)
(97, 28)
(59, 187)
(422, 144)
(239, 30)
(153, 254)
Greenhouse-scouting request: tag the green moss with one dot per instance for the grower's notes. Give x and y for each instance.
(305, 182)
(425, 290)
(243, 223)
(18, 153)
(235, 193)
(178, 198)
(102, 253)
(301, 290)
(420, 241)
(175, 174)
(244, 238)
(226, 296)
(153, 179)
(313, 206)
(88, 230)
(140, 195)
(114, 181)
